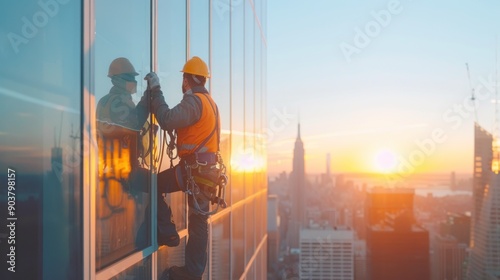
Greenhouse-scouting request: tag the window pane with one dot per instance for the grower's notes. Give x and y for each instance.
(171, 59)
(249, 99)
(199, 27)
(40, 88)
(122, 59)
(238, 162)
(141, 270)
(170, 256)
(239, 157)
(199, 31)
(220, 77)
(220, 248)
(238, 242)
(250, 234)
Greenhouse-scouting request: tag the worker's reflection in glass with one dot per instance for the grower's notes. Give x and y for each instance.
(121, 127)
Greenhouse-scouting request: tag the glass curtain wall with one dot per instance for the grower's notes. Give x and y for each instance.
(40, 132)
(50, 99)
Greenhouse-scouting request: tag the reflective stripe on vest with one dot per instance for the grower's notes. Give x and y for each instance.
(188, 138)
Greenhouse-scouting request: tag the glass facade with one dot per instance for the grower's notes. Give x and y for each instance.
(80, 161)
(40, 132)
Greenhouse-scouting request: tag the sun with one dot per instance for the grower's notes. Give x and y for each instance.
(385, 161)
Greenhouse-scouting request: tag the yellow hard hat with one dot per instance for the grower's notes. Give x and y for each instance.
(196, 66)
(121, 65)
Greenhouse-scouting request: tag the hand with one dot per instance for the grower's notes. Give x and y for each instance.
(153, 81)
(150, 95)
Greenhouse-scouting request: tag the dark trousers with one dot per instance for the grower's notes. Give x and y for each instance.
(196, 248)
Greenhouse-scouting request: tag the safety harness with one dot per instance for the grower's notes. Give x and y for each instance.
(196, 165)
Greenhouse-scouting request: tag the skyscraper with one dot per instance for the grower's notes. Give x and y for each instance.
(484, 260)
(397, 248)
(297, 181)
(327, 254)
(449, 256)
(328, 163)
(273, 231)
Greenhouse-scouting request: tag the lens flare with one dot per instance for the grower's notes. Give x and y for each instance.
(385, 161)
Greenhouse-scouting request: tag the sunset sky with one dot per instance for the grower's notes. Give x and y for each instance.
(379, 83)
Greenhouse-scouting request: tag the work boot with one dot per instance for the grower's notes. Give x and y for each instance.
(167, 233)
(170, 240)
(180, 273)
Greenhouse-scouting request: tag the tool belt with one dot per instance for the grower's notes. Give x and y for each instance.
(202, 158)
(204, 168)
(203, 172)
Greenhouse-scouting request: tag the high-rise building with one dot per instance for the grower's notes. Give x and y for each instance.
(297, 192)
(360, 259)
(484, 262)
(458, 226)
(273, 231)
(397, 248)
(453, 181)
(381, 201)
(328, 163)
(450, 247)
(77, 215)
(326, 179)
(449, 258)
(327, 254)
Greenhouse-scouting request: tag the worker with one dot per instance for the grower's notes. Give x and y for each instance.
(196, 120)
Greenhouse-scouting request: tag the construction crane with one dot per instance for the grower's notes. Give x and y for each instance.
(473, 97)
(496, 148)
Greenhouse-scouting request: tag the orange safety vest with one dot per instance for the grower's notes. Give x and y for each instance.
(191, 137)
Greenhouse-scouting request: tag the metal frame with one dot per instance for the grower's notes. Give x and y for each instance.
(209, 245)
(89, 163)
(154, 185)
(251, 262)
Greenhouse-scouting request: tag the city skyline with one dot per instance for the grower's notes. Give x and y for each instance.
(406, 83)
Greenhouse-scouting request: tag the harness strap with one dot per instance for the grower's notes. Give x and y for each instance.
(192, 187)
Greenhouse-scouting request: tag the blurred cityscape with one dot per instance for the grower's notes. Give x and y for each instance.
(363, 226)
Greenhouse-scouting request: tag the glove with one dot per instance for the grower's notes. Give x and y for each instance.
(153, 81)
(150, 96)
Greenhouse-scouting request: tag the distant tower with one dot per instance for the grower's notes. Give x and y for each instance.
(453, 181)
(328, 165)
(297, 187)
